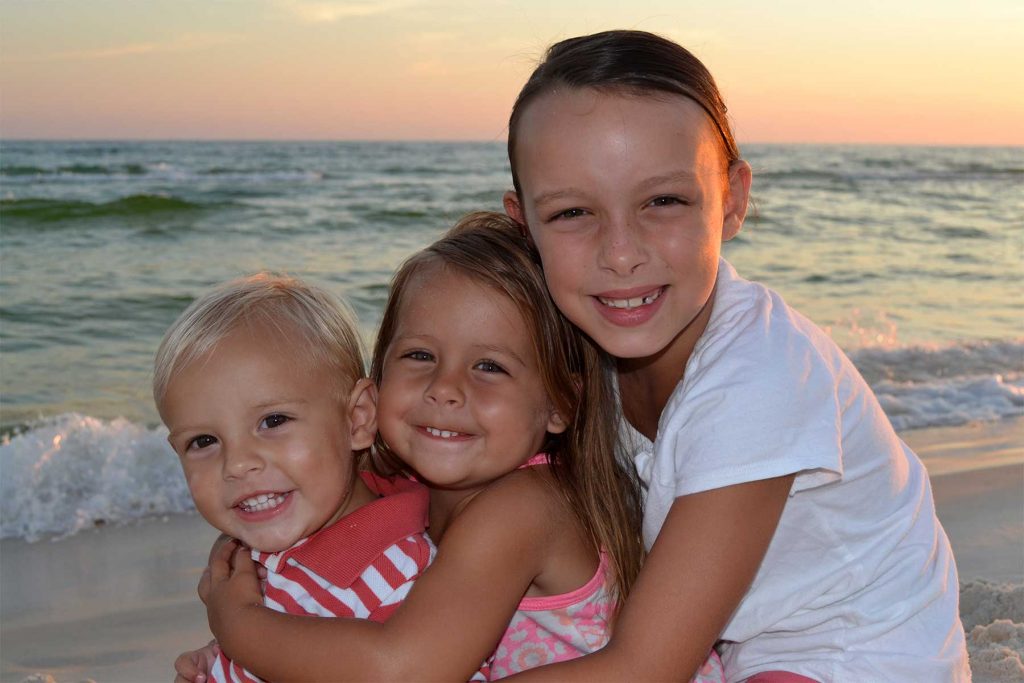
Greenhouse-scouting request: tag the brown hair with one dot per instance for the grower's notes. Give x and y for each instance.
(603, 494)
(634, 62)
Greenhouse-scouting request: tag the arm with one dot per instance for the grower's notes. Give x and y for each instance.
(448, 624)
(706, 556)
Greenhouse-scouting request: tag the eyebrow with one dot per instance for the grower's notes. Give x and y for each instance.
(412, 337)
(504, 350)
(653, 181)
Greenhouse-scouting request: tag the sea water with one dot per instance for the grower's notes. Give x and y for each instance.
(911, 257)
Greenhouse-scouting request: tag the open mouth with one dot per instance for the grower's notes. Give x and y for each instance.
(633, 302)
(262, 502)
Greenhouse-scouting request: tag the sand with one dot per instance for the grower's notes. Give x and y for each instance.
(118, 604)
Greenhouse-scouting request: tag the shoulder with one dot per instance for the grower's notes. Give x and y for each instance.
(761, 347)
(523, 511)
(759, 397)
(530, 496)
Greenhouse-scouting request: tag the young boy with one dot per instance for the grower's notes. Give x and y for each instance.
(261, 384)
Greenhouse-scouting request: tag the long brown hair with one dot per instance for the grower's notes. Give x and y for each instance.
(600, 490)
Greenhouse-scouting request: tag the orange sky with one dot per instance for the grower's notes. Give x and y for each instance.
(893, 71)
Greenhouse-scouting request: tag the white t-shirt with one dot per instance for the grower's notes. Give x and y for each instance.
(859, 582)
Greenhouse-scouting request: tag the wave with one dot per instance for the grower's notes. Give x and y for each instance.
(54, 210)
(74, 169)
(76, 472)
(943, 386)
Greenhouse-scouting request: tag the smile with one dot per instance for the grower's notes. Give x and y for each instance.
(442, 433)
(634, 302)
(262, 501)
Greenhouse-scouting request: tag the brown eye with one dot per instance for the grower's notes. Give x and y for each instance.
(275, 420)
(201, 441)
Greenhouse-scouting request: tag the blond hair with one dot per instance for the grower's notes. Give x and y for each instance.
(599, 488)
(297, 310)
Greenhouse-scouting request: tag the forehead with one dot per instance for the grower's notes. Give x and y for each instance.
(447, 300)
(261, 349)
(563, 126)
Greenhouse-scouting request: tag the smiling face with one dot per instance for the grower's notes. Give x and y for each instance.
(461, 401)
(266, 441)
(628, 199)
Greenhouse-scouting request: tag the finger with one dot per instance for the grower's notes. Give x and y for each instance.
(220, 561)
(218, 544)
(185, 667)
(242, 564)
(204, 585)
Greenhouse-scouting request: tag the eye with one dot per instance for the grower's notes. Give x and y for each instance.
(200, 442)
(419, 355)
(668, 200)
(272, 421)
(568, 214)
(490, 366)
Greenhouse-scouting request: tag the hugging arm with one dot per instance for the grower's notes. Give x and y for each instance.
(706, 556)
(447, 626)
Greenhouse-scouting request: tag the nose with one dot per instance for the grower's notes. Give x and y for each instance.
(446, 388)
(622, 246)
(241, 460)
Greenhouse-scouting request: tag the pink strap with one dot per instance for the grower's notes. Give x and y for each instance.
(539, 459)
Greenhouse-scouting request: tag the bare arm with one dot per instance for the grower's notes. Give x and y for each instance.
(449, 623)
(706, 556)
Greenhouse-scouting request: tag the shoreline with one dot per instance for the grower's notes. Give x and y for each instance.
(118, 603)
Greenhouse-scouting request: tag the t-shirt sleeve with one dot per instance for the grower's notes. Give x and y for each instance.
(759, 400)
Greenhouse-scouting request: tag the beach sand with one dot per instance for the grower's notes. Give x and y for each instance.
(119, 603)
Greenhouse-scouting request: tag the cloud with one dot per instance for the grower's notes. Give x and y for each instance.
(184, 43)
(327, 11)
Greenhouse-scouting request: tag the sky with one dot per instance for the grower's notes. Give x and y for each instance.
(865, 71)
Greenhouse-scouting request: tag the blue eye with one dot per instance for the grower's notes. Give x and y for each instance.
(272, 421)
(200, 442)
(489, 366)
(419, 355)
(569, 214)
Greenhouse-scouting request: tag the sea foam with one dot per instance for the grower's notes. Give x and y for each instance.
(75, 472)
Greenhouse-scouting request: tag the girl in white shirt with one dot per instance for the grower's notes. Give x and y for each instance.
(783, 515)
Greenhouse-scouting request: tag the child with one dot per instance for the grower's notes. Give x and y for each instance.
(261, 384)
(782, 513)
(487, 396)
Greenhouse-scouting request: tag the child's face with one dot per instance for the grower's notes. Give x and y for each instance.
(461, 397)
(628, 200)
(264, 440)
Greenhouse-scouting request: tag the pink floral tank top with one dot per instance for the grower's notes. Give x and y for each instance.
(556, 628)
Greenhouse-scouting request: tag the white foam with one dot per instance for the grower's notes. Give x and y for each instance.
(929, 386)
(75, 472)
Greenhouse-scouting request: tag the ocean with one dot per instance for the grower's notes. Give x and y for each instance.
(911, 257)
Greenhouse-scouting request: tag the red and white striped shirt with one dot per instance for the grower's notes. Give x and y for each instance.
(361, 566)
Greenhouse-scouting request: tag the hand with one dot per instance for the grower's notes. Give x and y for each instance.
(194, 666)
(218, 546)
(230, 585)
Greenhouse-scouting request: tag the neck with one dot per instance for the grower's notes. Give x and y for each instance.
(645, 384)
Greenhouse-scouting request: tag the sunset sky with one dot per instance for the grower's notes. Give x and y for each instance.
(881, 71)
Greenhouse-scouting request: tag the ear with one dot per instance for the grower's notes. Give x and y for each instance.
(514, 208)
(362, 414)
(556, 423)
(737, 200)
